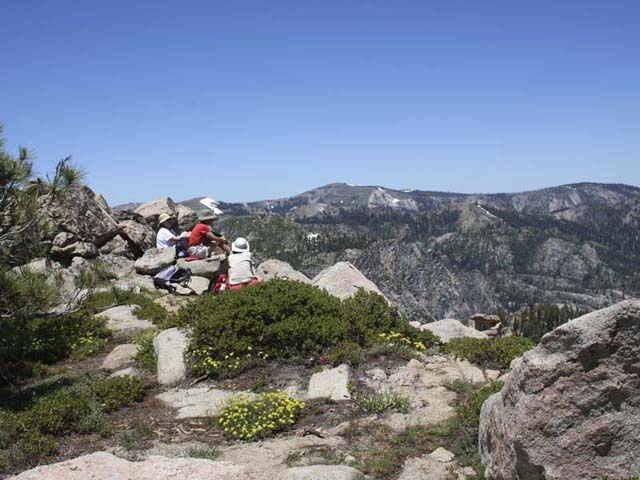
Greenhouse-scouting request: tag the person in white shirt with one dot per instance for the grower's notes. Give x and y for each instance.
(166, 237)
(241, 270)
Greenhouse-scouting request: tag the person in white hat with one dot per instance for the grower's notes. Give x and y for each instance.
(166, 236)
(241, 270)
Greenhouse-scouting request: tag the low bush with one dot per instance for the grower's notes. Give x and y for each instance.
(28, 431)
(49, 338)
(489, 353)
(146, 356)
(381, 402)
(269, 413)
(284, 319)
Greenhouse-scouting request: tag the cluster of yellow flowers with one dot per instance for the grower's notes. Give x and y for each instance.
(270, 412)
(204, 360)
(396, 337)
(85, 346)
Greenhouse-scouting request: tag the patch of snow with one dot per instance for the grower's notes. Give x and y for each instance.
(353, 185)
(211, 204)
(313, 237)
(395, 200)
(408, 190)
(380, 189)
(487, 212)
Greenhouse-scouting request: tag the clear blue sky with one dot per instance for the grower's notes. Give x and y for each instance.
(245, 100)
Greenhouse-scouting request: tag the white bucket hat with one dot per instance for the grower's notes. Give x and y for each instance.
(240, 245)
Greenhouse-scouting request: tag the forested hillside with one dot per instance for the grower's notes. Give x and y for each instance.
(444, 254)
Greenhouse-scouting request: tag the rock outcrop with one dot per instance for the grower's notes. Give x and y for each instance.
(450, 328)
(343, 280)
(153, 209)
(571, 408)
(83, 214)
(103, 465)
(66, 244)
(279, 269)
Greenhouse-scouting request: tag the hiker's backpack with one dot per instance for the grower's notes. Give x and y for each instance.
(170, 275)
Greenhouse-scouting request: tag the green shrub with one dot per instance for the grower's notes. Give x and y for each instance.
(496, 353)
(146, 356)
(116, 392)
(283, 319)
(381, 402)
(269, 413)
(49, 338)
(28, 433)
(468, 412)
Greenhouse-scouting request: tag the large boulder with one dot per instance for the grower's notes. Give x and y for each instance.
(121, 356)
(343, 280)
(83, 214)
(103, 465)
(152, 210)
(207, 267)
(279, 269)
(138, 233)
(187, 218)
(571, 408)
(170, 346)
(450, 328)
(154, 260)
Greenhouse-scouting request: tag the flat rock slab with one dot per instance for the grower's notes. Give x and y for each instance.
(427, 468)
(170, 346)
(121, 356)
(267, 459)
(105, 466)
(128, 372)
(331, 384)
(122, 321)
(198, 401)
(322, 472)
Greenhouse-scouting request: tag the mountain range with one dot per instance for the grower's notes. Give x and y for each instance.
(441, 254)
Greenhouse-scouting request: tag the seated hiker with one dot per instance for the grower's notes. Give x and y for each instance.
(202, 238)
(167, 237)
(240, 265)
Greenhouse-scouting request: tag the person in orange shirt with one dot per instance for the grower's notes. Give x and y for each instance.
(202, 238)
